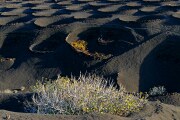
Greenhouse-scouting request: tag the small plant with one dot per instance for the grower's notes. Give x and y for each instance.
(103, 41)
(86, 94)
(80, 45)
(161, 90)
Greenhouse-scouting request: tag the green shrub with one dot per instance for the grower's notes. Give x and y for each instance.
(87, 94)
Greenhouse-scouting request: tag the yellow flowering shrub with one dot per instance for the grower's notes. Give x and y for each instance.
(80, 45)
(86, 94)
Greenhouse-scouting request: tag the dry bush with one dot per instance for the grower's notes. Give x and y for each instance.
(161, 90)
(87, 94)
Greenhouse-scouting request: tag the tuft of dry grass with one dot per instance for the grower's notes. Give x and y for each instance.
(161, 90)
(86, 94)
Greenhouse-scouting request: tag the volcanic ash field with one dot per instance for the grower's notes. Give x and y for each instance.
(135, 42)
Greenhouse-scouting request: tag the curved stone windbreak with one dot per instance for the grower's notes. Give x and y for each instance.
(106, 39)
(48, 44)
(6, 63)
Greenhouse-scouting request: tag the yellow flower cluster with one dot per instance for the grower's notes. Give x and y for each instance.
(80, 45)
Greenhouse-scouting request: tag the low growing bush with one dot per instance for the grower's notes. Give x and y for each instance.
(86, 94)
(161, 90)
